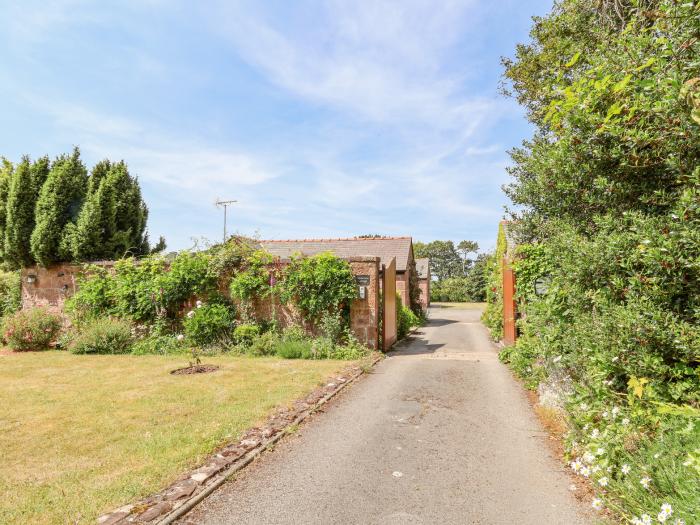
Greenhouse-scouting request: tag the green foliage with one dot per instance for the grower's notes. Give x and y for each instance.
(318, 285)
(145, 290)
(10, 293)
(406, 319)
(208, 323)
(252, 280)
(103, 336)
(31, 329)
(57, 209)
(493, 315)
(245, 334)
(154, 344)
(25, 184)
(609, 196)
(6, 169)
(445, 261)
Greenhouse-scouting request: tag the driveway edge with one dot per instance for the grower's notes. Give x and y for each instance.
(190, 489)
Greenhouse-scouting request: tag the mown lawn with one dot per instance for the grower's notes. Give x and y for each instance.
(80, 435)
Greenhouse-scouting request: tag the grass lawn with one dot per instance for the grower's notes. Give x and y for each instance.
(463, 306)
(81, 435)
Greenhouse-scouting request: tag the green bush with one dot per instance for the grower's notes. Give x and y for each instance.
(245, 334)
(319, 285)
(406, 319)
(264, 344)
(10, 293)
(103, 336)
(144, 290)
(208, 323)
(158, 345)
(493, 315)
(31, 329)
(294, 349)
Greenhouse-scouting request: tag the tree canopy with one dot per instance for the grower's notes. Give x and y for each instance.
(55, 211)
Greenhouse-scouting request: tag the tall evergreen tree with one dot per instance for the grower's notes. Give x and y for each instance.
(97, 174)
(57, 209)
(131, 213)
(95, 225)
(5, 174)
(25, 184)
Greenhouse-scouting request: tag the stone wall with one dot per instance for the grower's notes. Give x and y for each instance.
(50, 287)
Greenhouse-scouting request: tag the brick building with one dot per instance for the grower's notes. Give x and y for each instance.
(386, 248)
(423, 272)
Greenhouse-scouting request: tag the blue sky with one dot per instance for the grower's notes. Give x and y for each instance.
(323, 119)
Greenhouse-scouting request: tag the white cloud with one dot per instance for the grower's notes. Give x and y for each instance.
(377, 59)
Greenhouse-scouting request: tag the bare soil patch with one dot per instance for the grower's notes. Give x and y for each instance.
(194, 369)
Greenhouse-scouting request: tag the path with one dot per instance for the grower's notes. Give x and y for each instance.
(439, 433)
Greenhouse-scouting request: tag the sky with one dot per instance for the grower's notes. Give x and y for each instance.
(322, 119)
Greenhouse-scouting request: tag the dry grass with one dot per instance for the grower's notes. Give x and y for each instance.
(81, 435)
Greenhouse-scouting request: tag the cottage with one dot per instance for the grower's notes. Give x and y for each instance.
(386, 248)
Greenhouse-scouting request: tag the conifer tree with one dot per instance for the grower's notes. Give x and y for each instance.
(97, 174)
(57, 209)
(95, 225)
(5, 174)
(130, 213)
(25, 184)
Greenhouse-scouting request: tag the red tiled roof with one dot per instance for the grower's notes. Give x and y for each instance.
(385, 248)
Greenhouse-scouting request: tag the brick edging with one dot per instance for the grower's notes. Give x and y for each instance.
(164, 507)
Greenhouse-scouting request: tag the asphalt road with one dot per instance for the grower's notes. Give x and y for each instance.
(439, 433)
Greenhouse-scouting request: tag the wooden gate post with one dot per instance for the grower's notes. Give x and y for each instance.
(389, 320)
(509, 329)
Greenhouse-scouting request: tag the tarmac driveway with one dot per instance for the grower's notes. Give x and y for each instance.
(439, 433)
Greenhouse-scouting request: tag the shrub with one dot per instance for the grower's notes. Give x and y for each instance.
(264, 344)
(406, 319)
(208, 323)
(158, 345)
(10, 293)
(318, 285)
(245, 334)
(294, 349)
(31, 329)
(103, 336)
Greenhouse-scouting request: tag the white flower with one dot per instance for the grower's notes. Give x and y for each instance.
(616, 358)
(646, 519)
(645, 481)
(597, 504)
(625, 421)
(657, 455)
(606, 413)
(608, 470)
(588, 457)
(583, 406)
(585, 471)
(667, 509)
(576, 465)
(199, 304)
(585, 427)
(687, 462)
(180, 337)
(595, 469)
(646, 241)
(626, 469)
(603, 482)
(636, 521)
(662, 517)
(679, 521)
(595, 433)
(190, 314)
(615, 411)
(600, 451)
